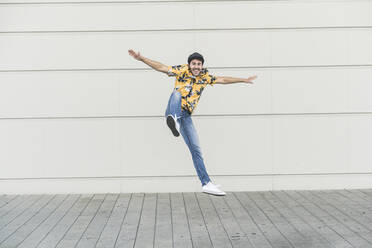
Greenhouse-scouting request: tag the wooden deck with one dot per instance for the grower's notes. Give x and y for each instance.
(331, 218)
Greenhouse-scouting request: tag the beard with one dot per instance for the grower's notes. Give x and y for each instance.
(196, 72)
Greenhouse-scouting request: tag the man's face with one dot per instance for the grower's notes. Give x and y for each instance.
(195, 67)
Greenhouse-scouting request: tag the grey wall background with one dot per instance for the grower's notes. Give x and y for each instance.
(77, 114)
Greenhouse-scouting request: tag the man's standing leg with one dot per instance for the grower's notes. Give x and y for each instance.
(191, 138)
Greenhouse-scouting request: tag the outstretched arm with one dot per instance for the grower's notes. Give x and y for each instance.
(232, 80)
(153, 64)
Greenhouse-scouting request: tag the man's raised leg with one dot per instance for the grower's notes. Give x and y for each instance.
(173, 112)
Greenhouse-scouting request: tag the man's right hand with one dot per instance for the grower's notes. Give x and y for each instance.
(135, 55)
(153, 64)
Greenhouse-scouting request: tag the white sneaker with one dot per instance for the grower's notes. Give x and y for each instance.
(173, 125)
(210, 188)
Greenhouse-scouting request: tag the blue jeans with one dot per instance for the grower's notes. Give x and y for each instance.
(188, 133)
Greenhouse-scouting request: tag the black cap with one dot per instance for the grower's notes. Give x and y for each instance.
(197, 56)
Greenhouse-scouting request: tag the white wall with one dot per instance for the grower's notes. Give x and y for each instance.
(77, 114)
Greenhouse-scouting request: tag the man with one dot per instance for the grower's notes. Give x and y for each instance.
(191, 80)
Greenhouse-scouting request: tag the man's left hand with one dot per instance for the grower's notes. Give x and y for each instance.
(250, 79)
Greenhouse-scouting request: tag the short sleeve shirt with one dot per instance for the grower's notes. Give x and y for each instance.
(190, 86)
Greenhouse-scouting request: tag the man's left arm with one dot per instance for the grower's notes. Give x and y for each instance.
(232, 80)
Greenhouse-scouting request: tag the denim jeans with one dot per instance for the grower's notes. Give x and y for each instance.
(188, 133)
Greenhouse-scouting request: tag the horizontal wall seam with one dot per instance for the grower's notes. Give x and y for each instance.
(160, 1)
(188, 30)
(172, 176)
(209, 67)
(194, 115)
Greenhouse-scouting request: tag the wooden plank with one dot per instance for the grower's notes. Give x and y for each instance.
(16, 208)
(344, 219)
(6, 199)
(365, 194)
(42, 230)
(326, 218)
(330, 220)
(128, 232)
(163, 229)
(215, 227)
(357, 199)
(199, 233)
(368, 194)
(314, 240)
(291, 233)
(180, 223)
(54, 236)
(146, 228)
(369, 191)
(111, 231)
(21, 219)
(344, 204)
(274, 236)
(246, 222)
(317, 223)
(92, 233)
(77, 229)
(236, 235)
(35, 221)
(12, 205)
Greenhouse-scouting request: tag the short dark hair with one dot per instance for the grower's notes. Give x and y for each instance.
(197, 56)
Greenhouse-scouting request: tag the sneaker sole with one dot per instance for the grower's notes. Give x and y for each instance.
(172, 125)
(211, 193)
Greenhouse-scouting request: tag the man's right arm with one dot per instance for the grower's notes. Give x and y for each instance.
(153, 64)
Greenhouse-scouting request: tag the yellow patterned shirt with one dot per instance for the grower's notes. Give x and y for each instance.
(190, 86)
